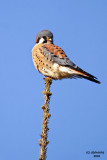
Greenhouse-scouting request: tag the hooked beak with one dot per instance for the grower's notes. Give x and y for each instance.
(50, 39)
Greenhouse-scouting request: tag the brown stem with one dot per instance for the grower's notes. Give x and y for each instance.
(43, 141)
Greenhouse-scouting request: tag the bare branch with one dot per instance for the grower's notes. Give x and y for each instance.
(43, 141)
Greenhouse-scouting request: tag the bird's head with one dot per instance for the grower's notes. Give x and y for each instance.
(44, 36)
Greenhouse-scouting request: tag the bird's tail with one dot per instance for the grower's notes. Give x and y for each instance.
(83, 74)
(90, 78)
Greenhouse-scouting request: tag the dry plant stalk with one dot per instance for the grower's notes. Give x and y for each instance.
(43, 141)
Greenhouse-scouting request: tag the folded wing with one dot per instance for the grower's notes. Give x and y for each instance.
(57, 55)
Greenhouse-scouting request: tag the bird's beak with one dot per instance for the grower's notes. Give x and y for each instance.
(50, 39)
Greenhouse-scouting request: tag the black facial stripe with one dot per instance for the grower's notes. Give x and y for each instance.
(44, 41)
(38, 40)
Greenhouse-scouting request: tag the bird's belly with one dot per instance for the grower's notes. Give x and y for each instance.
(50, 71)
(53, 71)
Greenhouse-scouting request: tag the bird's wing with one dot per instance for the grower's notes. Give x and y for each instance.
(57, 55)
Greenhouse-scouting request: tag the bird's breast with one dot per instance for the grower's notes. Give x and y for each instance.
(43, 63)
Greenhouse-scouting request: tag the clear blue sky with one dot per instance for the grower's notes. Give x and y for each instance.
(78, 108)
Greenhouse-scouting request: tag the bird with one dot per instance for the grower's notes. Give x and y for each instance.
(51, 60)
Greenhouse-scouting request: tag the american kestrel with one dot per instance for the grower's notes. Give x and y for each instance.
(51, 60)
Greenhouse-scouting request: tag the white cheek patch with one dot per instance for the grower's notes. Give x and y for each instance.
(41, 40)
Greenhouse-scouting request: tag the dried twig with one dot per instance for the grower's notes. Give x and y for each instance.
(43, 141)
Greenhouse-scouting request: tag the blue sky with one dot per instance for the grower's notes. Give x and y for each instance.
(78, 107)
